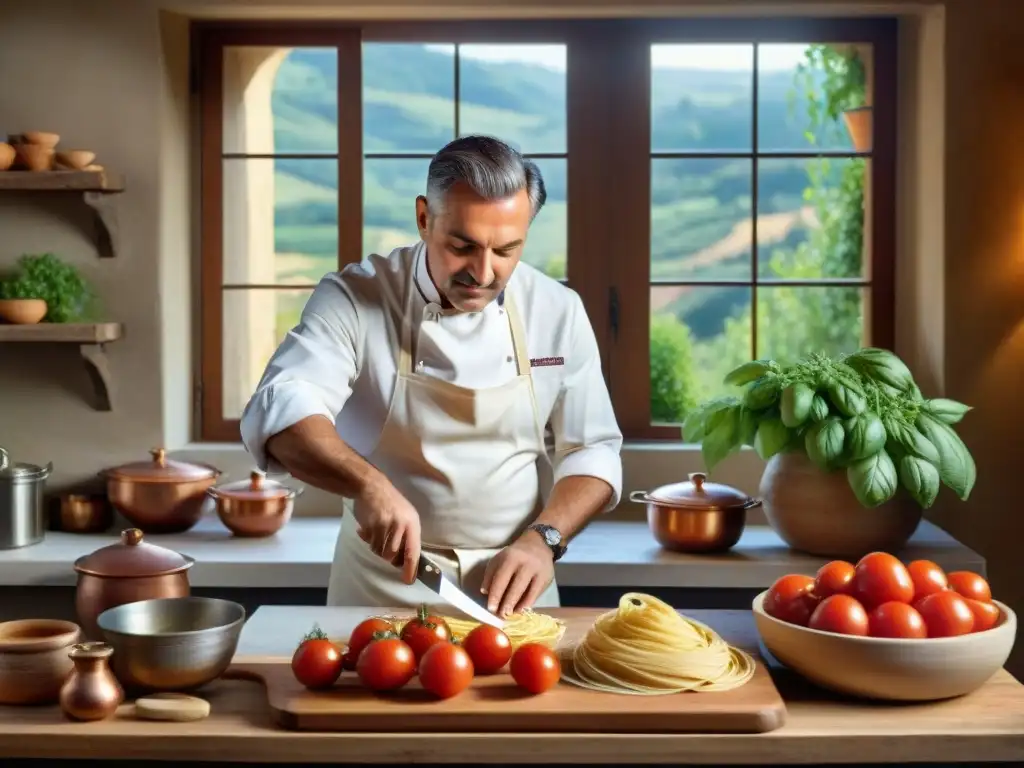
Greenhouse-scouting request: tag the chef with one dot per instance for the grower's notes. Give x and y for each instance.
(452, 394)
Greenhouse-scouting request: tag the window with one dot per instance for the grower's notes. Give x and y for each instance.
(718, 208)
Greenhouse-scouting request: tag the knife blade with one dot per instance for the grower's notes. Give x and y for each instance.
(429, 574)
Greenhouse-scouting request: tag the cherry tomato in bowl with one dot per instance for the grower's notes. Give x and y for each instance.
(946, 614)
(834, 578)
(880, 578)
(970, 585)
(896, 620)
(791, 599)
(840, 614)
(928, 578)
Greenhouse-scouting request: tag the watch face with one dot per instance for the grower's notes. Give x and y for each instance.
(552, 537)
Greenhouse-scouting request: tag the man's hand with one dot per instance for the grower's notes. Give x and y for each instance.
(516, 576)
(391, 526)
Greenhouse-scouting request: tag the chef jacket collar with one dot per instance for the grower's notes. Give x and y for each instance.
(425, 286)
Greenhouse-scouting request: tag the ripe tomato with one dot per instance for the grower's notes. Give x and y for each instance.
(362, 636)
(879, 578)
(928, 578)
(489, 648)
(970, 585)
(535, 667)
(790, 599)
(840, 614)
(986, 615)
(386, 664)
(894, 619)
(446, 670)
(425, 630)
(316, 663)
(835, 578)
(946, 614)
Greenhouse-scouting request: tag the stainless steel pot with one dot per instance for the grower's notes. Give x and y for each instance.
(22, 506)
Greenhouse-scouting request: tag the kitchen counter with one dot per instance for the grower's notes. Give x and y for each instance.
(987, 726)
(608, 553)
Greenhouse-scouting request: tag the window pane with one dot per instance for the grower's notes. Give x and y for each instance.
(698, 334)
(280, 220)
(803, 90)
(255, 322)
(280, 100)
(795, 321)
(700, 219)
(390, 187)
(702, 98)
(547, 243)
(408, 97)
(516, 93)
(810, 221)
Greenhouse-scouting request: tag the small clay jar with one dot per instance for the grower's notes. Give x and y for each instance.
(91, 691)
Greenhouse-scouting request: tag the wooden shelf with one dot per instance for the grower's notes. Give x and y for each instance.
(90, 338)
(96, 187)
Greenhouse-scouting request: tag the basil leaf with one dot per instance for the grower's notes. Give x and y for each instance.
(872, 480)
(772, 437)
(865, 436)
(920, 478)
(763, 393)
(748, 426)
(693, 426)
(722, 436)
(795, 404)
(946, 411)
(747, 372)
(824, 443)
(956, 465)
(846, 400)
(882, 367)
(819, 408)
(910, 440)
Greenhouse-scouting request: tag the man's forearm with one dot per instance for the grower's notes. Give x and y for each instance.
(574, 500)
(312, 452)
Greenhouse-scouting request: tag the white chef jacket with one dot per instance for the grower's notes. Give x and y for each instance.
(339, 362)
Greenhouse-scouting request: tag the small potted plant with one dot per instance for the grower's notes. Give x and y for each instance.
(855, 452)
(44, 288)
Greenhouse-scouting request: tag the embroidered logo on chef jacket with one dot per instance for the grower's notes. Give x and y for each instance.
(544, 362)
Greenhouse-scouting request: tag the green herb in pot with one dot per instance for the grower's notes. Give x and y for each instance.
(44, 276)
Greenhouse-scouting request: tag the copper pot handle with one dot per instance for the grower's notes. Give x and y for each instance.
(638, 497)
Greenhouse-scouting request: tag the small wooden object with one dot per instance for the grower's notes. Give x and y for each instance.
(172, 707)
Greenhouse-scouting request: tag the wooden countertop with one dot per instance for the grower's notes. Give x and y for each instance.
(987, 726)
(608, 553)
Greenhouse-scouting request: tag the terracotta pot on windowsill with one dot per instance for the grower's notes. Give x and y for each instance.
(22, 311)
(816, 512)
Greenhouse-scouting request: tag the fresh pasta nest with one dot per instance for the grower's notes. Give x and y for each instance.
(645, 647)
(521, 628)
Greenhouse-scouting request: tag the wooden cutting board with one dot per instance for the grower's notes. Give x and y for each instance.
(494, 703)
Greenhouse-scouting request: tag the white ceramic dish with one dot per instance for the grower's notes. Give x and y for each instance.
(891, 669)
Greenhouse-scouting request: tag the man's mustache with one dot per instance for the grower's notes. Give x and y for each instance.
(466, 279)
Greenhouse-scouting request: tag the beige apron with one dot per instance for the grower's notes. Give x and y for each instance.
(467, 461)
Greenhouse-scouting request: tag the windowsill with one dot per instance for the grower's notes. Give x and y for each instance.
(608, 553)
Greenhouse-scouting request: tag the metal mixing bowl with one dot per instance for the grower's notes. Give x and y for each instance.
(173, 643)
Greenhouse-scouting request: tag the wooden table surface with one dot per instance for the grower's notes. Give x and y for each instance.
(987, 726)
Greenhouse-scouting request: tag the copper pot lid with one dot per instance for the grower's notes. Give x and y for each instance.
(161, 469)
(132, 558)
(698, 493)
(257, 487)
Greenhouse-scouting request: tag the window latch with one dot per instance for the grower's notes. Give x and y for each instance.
(613, 311)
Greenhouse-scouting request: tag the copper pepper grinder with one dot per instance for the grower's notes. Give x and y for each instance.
(91, 691)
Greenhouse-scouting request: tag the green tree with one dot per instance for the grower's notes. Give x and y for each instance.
(673, 387)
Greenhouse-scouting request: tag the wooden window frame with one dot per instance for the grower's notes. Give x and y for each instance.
(608, 169)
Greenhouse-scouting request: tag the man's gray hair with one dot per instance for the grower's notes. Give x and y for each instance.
(490, 167)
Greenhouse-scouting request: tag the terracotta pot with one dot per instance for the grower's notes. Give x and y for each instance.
(34, 659)
(695, 515)
(254, 507)
(22, 311)
(859, 125)
(127, 572)
(161, 495)
(35, 157)
(7, 153)
(816, 512)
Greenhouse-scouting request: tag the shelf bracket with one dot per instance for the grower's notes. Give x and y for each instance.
(107, 234)
(96, 365)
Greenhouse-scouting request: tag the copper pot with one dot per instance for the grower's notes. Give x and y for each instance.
(127, 572)
(162, 495)
(695, 515)
(254, 507)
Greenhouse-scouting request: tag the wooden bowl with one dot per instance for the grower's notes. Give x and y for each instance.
(41, 138)
(7, 154)
(885, 668)
(76, 159)
(35, 157)
(34, 661)
(22, 311)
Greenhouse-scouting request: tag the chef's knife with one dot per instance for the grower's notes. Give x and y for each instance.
(430, 574)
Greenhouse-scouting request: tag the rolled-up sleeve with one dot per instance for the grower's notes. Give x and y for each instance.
(588, 441)
(310, 373)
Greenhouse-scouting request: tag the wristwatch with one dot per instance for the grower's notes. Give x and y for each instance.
(552, 537)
